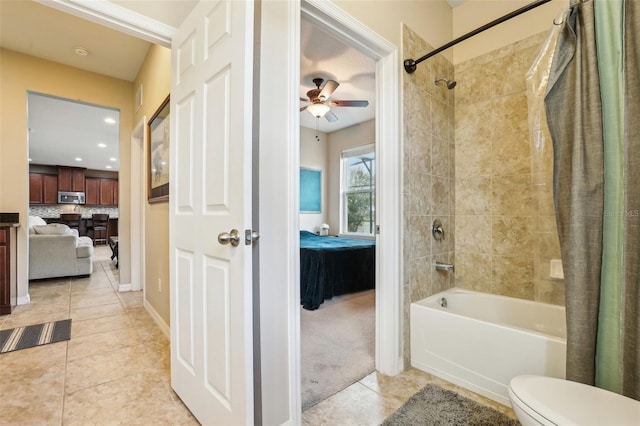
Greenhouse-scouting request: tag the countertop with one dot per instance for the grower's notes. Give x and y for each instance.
(9, 220)
(81, 217)
(9, 225)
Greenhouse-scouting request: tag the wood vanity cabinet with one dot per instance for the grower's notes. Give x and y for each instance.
(71, 179)
(43, 188)
(5, 272)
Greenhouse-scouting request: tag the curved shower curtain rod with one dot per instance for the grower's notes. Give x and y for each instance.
(410, 65)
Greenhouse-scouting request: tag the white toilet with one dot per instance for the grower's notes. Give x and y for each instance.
(538, 400)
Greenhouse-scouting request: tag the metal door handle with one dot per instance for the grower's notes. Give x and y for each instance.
(232, 237)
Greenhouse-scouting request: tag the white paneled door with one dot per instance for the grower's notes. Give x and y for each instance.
(210, 194)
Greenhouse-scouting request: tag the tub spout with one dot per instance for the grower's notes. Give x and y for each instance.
(444, 266)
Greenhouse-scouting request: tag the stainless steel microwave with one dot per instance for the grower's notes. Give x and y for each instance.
(70, 197)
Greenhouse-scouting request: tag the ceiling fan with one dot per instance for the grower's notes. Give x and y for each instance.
(319, 103)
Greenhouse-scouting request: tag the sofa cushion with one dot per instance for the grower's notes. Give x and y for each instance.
(84, 248)
(35, 221)
(52, 229)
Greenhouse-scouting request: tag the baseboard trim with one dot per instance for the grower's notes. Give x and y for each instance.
(24, 300)
(166, 330)
(124, 287)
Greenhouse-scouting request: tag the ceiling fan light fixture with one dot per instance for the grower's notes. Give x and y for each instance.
(318, 110)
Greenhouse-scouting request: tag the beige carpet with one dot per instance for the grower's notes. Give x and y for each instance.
(337, 345)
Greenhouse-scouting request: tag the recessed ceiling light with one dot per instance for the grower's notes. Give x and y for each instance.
(113, 159)
(30, 159)
(110, 120)
(78, 159)
(107, 167)
(102, 145)
(80, 51)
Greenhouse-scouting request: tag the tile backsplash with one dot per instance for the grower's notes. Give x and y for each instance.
(53, 211)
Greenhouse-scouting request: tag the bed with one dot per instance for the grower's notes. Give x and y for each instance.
(331, 266)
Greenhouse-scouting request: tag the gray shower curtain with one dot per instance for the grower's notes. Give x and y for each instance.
(574, 116)
(631, 284)
(574, 104)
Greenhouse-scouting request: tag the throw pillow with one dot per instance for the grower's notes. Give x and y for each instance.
(35, 221)
(52, 229)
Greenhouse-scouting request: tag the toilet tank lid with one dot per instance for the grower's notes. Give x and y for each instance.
(568, 403)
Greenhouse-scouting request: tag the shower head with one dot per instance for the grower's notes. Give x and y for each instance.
(450, 83)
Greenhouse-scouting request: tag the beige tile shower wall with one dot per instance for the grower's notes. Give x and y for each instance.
(504, 221)
(428, 182)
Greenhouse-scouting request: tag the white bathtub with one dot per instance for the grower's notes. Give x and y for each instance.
(481, 341)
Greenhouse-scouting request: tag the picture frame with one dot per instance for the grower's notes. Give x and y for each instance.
(158, 136)
(310, 190)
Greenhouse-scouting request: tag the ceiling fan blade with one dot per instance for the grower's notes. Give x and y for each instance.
(304, 99)
(331, 117)
(303, 108)
(348, 103)
(328, 89)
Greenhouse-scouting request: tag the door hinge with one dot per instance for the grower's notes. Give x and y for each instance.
(377, 229)
(250, 237)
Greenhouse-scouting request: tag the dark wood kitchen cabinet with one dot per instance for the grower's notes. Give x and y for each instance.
(108, 192)
(92, 191)
(43, 188)
(71, 179)
(101, 191)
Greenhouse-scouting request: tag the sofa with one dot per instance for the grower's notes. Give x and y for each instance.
(55, 250)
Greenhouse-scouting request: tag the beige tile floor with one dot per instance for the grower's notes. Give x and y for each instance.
(376, 397)
(115, 368)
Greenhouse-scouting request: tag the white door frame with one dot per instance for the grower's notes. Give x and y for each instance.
(279, 162)
(138, 192)
(389, 358)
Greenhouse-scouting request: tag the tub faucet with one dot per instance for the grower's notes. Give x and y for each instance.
(444, 266)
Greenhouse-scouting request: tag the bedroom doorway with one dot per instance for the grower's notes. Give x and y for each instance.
(337, 207)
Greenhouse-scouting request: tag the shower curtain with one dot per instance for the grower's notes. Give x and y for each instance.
(593, 105)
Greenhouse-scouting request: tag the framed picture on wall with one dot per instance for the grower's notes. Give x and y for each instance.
(310, 190)
(158, 154)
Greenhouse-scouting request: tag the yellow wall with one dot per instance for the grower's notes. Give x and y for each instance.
(21, 73)
(431, 20)
(437, 23)
(155, 78)
(473, 14)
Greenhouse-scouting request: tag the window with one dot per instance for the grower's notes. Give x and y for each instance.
(358, 202)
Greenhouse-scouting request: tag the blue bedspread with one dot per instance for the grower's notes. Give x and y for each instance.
(331, 266)
(309, 240)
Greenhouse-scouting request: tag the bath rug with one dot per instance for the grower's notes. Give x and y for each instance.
(435, 406)
(34, 335)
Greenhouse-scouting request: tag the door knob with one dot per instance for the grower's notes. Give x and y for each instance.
(232, 237)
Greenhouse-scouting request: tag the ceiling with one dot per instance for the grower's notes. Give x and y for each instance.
(323, 55)
(54, 122)
(27, 27)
